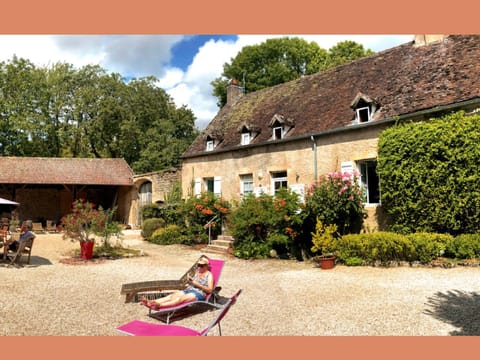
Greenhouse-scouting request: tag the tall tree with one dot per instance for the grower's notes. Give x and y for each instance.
(87, 112)
(279, 60)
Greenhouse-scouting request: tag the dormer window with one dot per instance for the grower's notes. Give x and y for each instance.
(280, 126)
(212, 139)
(364, 108)
(247, 133)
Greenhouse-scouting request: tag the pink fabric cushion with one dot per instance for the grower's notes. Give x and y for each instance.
(142, 328)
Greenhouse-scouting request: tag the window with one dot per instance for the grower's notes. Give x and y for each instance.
(245, 138)
(363, 114)
(209, 184)
(369, 180)
(246, 184)
(213, 185)
(277, 133)
(209, 145)
(279, 181)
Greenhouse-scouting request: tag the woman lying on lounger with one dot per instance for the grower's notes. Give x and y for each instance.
(200, 285)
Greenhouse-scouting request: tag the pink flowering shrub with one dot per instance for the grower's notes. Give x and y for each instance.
(84, 221)
(337, 198)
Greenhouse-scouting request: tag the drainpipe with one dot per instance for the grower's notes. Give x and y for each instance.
(314, 157)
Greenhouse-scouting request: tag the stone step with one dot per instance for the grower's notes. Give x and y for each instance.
(225, 237)
(223, 243)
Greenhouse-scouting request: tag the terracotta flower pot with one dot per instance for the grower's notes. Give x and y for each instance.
(326, 262)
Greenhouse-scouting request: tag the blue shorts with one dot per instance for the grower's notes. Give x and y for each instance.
(198, 295)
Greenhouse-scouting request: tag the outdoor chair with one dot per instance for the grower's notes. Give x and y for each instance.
(37, 227)
(143, 328)
(25, 248)
(131, 290)
(51, 226)
(165, 313)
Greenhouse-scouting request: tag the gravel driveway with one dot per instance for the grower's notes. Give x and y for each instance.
(280, 297)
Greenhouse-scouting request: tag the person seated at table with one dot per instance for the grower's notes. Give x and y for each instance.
(199, 286)
(25, 233)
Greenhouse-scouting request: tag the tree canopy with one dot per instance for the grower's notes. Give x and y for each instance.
(279, 60)
(61, 111)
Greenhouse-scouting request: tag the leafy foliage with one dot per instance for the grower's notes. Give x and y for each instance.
(279, 60)
(264, 223)
(150, 225)
(170, 234)
(429, 174)
(336, 199)
(85, 220)
(323, 238)
(205, 214)
(61, 111)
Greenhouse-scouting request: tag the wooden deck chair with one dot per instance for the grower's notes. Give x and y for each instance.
(25, 248)
(51, 226)
(131, 290)
(143, 328)
(37, 227)
(165, 313)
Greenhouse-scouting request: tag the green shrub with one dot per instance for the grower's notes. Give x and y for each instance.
(465, 246)
(354, 261)
(273, 222)
(150, 225)
(427, 246)
(251, 250)
(171, 234)
(150, 211)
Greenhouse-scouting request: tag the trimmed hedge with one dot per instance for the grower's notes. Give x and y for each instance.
(388, 247)
(429, 174)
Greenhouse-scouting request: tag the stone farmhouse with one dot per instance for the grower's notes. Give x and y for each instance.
(291, 134)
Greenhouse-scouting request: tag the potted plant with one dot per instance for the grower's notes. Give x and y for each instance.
(82, 224)
(323, 240)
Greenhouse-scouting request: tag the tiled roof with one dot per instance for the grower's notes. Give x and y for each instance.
(402, 80)
(39, 170)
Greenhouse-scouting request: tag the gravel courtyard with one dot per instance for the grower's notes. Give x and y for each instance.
(280, 297)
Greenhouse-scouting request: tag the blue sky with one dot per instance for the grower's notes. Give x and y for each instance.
(185, 64)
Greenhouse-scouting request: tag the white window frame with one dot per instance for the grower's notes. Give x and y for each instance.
(245, 138)
(217, 185)
(197, 187)
(361, 110)
(365, 181)
(246, 184)
(210, 145)
(275, 134)
(278, 179)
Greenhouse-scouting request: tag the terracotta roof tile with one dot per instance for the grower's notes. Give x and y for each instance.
(403, 80)
(39, 170)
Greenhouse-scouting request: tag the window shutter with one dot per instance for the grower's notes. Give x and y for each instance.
(347, 166)
(197, 188)
(217, 185)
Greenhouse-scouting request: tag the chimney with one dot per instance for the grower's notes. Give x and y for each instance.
(422, 40)
(234, 92)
